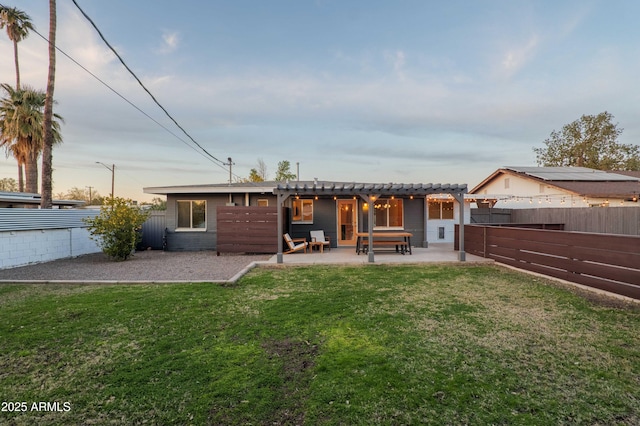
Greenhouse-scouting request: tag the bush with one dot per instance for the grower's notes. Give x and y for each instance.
(116, 228)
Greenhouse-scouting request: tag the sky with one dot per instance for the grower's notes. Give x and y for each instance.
(367, 91)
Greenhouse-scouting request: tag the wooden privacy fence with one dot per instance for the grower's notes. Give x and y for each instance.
(604, 261)
(606, 220)
(247, 229)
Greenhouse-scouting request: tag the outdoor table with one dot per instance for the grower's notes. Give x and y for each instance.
(406, 239)
(318, 244)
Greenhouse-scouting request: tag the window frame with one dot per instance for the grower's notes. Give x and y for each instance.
(302, 213)
(387, 227)
(191, 210)
(441, 209)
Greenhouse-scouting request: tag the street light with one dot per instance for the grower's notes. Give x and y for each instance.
(112, 169)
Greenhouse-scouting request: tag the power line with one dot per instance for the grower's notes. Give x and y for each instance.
(124, 98)
(202, 151)
(142, 85)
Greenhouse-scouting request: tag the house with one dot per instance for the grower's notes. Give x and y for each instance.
(428, 211)
(533, 187)
(25, 200)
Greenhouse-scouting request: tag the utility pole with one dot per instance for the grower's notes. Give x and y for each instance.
(90, 188)
(230, 164)
(298, 170)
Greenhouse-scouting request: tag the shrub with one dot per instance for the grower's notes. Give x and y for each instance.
(116, 228)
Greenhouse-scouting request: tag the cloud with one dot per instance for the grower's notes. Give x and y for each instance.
(398, 61)
(518, 56)
(170, 42)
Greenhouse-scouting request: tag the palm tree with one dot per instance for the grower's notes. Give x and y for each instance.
(18, 25)
(21, 129)
(49, 123)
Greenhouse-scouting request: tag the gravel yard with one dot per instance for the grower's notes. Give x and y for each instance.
(144, 266)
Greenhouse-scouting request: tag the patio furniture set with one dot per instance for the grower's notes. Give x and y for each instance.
(400, 242)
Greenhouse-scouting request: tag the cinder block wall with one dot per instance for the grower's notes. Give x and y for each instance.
(19, 248)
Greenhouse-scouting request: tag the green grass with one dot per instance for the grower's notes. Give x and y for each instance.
(322, 345)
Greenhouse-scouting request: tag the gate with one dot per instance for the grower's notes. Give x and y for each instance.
(153, 231)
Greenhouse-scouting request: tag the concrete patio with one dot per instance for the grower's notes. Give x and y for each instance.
(435, 253)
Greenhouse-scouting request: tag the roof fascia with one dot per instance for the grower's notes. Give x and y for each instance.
(166, 190)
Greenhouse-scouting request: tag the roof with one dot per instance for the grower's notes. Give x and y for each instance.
(313, 187)
(23, 198)
(579, 180)
(632, 173)
(215, 188)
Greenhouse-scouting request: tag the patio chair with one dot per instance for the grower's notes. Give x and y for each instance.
(318, 236)
(295, 244)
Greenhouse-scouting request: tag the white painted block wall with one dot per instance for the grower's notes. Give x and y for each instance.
(19, 248)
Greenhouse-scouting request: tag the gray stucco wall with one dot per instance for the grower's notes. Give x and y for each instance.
(324, 218)
(414, 216)
(208, 239)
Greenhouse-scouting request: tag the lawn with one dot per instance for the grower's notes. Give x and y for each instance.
(320, 345)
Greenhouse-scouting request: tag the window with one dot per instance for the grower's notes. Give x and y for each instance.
(302, 211)
(506, 183)
(263, 202)
(440, 209)
(192, 215)
(388, 213)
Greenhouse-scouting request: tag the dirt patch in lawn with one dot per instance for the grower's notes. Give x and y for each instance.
(297, 360)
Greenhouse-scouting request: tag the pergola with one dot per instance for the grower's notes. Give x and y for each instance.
(370, 192)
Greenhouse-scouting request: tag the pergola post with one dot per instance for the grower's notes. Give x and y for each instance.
(281, 199)
(367, 199)
(461, 253)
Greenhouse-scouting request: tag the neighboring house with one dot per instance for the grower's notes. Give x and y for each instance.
(340, 209)
(533, 187)
(25, 200)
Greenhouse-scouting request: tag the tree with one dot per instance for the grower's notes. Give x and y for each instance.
(591, 141)
(49, 137)
(81, 194)
(157, 203)
(283, 173)
(8, 185)
(261, 170)
(117, 227)
(21, 129)
(254, 176)
(257, 174)
(18, 24)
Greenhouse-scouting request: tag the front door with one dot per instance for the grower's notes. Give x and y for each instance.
(347, 222)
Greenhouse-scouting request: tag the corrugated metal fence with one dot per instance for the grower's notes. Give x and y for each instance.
(153, 231)
(34, 219)
(34, 235)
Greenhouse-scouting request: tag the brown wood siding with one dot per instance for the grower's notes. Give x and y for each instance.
(247, 229)
(604, 261)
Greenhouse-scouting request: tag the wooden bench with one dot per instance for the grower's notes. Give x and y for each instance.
(398, 245)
